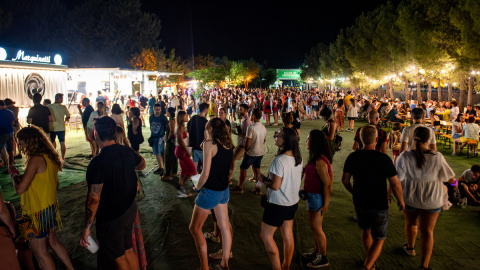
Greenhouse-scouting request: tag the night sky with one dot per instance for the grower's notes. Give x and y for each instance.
(275, 33)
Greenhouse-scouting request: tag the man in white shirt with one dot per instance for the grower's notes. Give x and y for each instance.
(407, 140)
(254, 150)
(61, 116)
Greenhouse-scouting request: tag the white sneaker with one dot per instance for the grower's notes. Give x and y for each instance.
(181, 193)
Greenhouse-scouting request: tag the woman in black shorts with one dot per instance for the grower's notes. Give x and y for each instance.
(283, 183)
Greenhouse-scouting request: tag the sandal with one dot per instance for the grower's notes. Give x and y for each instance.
(217, 266)
(211, 237)
(409, 251)
(257, 191)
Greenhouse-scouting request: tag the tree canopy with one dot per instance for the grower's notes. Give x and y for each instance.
(100, 33)
(425, 42)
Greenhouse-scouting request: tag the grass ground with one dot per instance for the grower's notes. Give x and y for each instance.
(169, 245)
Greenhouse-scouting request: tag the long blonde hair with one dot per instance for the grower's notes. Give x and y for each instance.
(37, 143)
(121, 137)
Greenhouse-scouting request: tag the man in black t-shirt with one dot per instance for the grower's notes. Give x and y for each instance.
(85, 116)
(470, 111)
(39, 115)
(112, 186)
(196, 133)
(382, 139)
(370, 169)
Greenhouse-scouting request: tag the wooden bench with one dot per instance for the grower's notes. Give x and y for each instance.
(471, 142)
(390, 124)
(446, 138)
(438, 135)
(383, 122)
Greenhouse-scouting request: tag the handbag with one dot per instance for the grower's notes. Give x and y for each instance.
(27, 229)
(150, 141)
(338, 141)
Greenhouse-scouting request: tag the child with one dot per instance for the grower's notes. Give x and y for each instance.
(394, 140)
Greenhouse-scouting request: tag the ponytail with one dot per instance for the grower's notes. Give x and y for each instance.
(421, 136)
(419, 153)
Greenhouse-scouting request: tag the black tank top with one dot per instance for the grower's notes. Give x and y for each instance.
(220, 169)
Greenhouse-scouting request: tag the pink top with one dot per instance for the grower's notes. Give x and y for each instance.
(313, 183)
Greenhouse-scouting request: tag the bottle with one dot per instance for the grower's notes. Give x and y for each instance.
(259, 184)
(464, 202)
(457, 196)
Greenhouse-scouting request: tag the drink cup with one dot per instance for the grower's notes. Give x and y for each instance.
(93, 247)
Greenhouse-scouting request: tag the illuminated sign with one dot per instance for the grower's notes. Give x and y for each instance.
(28, 58)
(288, 74)
(3, 54)
(23, 56)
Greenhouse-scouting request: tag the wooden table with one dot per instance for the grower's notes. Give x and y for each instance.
(447, 125)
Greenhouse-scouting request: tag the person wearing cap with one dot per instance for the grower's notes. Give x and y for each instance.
(61, 115)
(100, 98)
(7, 119)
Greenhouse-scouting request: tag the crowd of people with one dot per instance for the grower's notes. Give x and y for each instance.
(194, 131)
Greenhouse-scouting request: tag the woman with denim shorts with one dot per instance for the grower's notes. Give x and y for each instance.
(318, 186)
(213, 191)
(422, 172)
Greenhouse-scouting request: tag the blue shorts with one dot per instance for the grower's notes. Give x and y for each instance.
(158, 146)
(315, 108)
(189, 110)
(456, 136)
(7, 140)
(248, 161)
(409, 208)
(374, 220)
(197, 156)
(314, 202)
(208, 199)
(309, 110)
(59, 134)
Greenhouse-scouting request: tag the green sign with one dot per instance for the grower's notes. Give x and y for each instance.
(288, 74)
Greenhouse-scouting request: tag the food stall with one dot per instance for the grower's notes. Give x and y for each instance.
(114, 81)
(24, 73)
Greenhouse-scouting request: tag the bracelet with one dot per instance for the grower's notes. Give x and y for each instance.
(455, 183)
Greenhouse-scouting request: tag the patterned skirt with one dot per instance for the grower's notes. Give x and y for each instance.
(137, 239)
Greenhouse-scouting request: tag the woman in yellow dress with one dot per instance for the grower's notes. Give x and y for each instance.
(38, 190)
